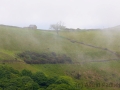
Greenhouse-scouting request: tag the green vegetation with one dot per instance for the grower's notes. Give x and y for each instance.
(44, 58)
(16, 40)
(11, 79)
(94, 56)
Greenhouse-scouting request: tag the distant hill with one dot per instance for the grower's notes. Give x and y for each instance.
(2, 25)
(113, 28)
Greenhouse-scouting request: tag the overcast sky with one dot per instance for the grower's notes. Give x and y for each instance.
(74, 13)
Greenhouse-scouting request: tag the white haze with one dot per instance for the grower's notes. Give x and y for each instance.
(74, 13)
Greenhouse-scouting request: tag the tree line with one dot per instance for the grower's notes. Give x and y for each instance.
(11, 79)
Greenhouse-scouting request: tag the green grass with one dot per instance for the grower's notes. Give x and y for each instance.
(107, 39)
(16, 40)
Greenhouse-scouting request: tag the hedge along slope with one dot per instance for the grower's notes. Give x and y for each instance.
(44, 58)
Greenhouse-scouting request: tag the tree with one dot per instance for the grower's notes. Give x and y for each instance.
(26, 73)
(40, 78)
(58, 26)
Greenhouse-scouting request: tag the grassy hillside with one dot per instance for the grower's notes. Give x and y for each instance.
(13, 40)
(86, 49)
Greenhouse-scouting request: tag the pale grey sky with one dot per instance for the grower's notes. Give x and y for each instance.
(74, 13)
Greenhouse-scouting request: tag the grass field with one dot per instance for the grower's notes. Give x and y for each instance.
(16, 40)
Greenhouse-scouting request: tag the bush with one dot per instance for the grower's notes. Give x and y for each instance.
(43, 58)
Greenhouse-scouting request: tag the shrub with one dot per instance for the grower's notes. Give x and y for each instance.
(43, 58)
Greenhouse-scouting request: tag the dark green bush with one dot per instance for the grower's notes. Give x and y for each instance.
(43, 58)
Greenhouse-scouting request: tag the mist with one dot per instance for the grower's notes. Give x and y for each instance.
(75, 14)
(70, 44)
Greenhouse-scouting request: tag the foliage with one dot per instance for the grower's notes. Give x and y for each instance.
(25, 72)
(43, 58)
(11, 79)
(57, 26)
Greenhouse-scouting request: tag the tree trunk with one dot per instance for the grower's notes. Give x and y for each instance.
(57, 32)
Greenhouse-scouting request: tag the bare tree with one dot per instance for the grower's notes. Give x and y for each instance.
(58, 26)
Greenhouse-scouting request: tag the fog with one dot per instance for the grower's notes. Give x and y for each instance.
(75, 14)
